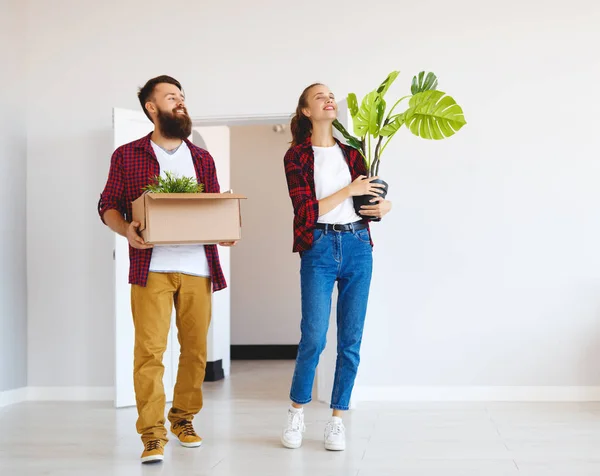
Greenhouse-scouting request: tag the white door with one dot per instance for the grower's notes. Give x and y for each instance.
(128, 126)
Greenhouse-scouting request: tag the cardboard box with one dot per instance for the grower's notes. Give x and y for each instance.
(183, 218)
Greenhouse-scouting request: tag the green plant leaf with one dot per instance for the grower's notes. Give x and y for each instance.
(381, 106)
(171, 183)
(434, 115)
(423, 83)
(356, 144)
(352, 104)
(352, 141)
(392, 126)
(383, 88)
(366, 121)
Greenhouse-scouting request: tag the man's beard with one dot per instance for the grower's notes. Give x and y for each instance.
(173, 125)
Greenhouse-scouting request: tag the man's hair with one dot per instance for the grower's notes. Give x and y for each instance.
(145, 93)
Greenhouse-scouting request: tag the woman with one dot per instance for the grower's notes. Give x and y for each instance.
(334, 245)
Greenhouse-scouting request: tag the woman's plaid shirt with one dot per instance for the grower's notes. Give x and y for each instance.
(299, 163)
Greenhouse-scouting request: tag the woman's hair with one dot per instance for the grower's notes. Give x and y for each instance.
(301, 126)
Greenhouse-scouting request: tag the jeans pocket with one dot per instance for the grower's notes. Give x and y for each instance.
(363, 235)
(318, 235)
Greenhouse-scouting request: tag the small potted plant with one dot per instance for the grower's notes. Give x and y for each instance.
(431, 114)
(172, 183)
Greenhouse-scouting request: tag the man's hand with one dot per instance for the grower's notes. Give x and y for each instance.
(379, 208)
(134, 238)
(228, 243)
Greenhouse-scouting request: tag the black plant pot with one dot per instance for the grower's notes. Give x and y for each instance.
(366, 199)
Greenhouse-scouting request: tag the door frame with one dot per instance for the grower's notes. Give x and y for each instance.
(242, 120)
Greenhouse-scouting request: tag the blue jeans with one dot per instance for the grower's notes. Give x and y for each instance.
(345, 257)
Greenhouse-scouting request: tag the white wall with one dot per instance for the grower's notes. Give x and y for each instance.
(13, 165)
(488, 270)
(265, 297)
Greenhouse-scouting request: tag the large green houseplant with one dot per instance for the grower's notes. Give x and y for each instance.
(431, 114)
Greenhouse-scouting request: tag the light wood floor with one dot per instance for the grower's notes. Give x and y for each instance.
(243, 416)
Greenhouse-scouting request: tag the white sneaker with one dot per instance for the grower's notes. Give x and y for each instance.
(292, 433)
(335, 435)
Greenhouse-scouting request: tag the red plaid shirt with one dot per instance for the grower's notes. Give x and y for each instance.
(132, 167)
(299, 162)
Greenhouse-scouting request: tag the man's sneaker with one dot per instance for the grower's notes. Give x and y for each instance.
(292, 433)
(335, 435)
(154, 452)
(184, 431)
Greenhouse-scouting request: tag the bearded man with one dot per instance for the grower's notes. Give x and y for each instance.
(163, 276)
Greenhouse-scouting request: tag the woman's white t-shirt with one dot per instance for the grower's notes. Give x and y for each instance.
(331, 175)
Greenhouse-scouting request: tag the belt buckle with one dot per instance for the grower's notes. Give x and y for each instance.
(337, 224)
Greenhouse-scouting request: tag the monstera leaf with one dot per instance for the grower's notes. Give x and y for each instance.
(353, 104)
(383, 88)
(393, 126)
(350, 139)
(370, 115)
(434, 115)
(423, 83)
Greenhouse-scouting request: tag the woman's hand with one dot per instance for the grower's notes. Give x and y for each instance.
(364, 186)
(379, 208)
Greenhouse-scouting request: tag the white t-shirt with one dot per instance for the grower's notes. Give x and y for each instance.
(331, 175)
(186, 259)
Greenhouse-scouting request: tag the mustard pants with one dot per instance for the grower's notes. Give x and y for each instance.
(152, 307)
